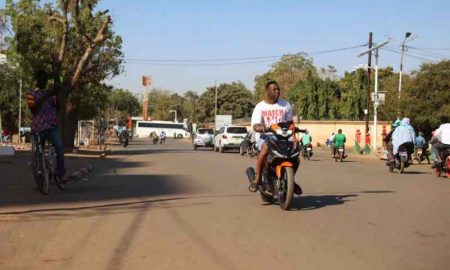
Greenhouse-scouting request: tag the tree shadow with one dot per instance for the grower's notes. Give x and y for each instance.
(18, 188)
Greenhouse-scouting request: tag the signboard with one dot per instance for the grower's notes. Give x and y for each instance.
(381, 97)
(223, 120)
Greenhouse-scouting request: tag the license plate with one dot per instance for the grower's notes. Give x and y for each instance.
(341, 150)
(403, 154)
(419, 151)
(308, 149)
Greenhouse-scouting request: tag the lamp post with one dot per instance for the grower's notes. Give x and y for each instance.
(407, 35)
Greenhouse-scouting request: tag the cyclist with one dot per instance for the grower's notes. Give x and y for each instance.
(43, 105)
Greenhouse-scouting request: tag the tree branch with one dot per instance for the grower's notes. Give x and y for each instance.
(101, 36)
(76, 17)
(63, 46)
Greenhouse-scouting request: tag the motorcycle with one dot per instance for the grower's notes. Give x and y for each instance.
(339, 154)
(123, 138)
(419, 157)
(307, 151)
(402, 159)
(444, 166)
(280, 167)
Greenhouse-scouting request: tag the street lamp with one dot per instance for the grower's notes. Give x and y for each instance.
(407, 35)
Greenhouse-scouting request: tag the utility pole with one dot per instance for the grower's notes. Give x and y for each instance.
(375, 98)
(369, 66)
(215, 106)
(20, 109)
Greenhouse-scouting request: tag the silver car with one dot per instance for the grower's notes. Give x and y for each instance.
(204, 137)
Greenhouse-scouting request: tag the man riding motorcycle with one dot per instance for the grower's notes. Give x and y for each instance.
(388, 142)
(306, 141)
(421, 143)
(403, 135)
(272, 110)
(162, 137)
(339, 141)
(440, 141)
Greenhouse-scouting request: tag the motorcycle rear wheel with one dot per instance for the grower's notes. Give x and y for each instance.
(285, 197)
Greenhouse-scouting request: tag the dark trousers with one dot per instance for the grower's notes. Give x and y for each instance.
(437, 148)
(54, 136)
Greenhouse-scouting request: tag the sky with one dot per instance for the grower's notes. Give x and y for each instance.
(228, 29)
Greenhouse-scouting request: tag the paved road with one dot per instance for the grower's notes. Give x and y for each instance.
(169, 207)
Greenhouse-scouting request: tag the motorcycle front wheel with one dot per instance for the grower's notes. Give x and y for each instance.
(286, 189)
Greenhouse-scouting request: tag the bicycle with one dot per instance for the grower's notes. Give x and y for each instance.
(43, 163)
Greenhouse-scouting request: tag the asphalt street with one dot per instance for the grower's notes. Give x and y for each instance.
(170, 207)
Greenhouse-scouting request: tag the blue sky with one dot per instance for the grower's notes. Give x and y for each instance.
(237, 29)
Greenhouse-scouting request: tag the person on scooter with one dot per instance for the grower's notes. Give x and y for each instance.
(272, 110)
(162, 136)
(306, 140)
(422, 143)
(339, 141)
(441, 140)
(388, 142)
(404, 135)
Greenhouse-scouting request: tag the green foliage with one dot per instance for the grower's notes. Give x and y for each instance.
(233, 99)
(426, 98)
(288, 71)
(353, 91)
(9, 98)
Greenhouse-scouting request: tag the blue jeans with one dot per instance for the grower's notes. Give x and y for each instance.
(54, 136)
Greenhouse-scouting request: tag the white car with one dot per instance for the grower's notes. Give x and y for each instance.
(204, 137)
(229, 138)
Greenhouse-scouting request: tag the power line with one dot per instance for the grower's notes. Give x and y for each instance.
(430, 53)
(262, 58)
(410, 55)
(434, 49)
(196, 64)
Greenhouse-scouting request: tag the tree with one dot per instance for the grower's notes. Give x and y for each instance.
(288, 71)
(353, 91)
(426, 98)
(160, 102)
(123, 104)
(232, 99)
(9, 98)
(72, 42)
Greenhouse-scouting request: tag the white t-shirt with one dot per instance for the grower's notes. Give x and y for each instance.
(443, 133)
(268, 114)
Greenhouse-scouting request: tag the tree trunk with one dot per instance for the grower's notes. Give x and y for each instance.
(70, 125)
(68, 116)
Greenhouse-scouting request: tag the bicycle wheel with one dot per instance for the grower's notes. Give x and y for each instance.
(40, 172)
(52, 161)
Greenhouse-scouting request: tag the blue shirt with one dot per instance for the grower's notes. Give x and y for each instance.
(420, 141)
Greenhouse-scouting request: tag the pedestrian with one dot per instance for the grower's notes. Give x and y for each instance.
(383, 134)
(358, 136)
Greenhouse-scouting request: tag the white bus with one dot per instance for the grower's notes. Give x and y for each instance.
(178, 130)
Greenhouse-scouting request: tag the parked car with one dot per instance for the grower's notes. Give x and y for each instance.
(248, 145)
(229, 138)
(204, 137)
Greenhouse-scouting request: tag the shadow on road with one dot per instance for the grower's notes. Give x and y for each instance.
(17, 186)
(312, 202)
